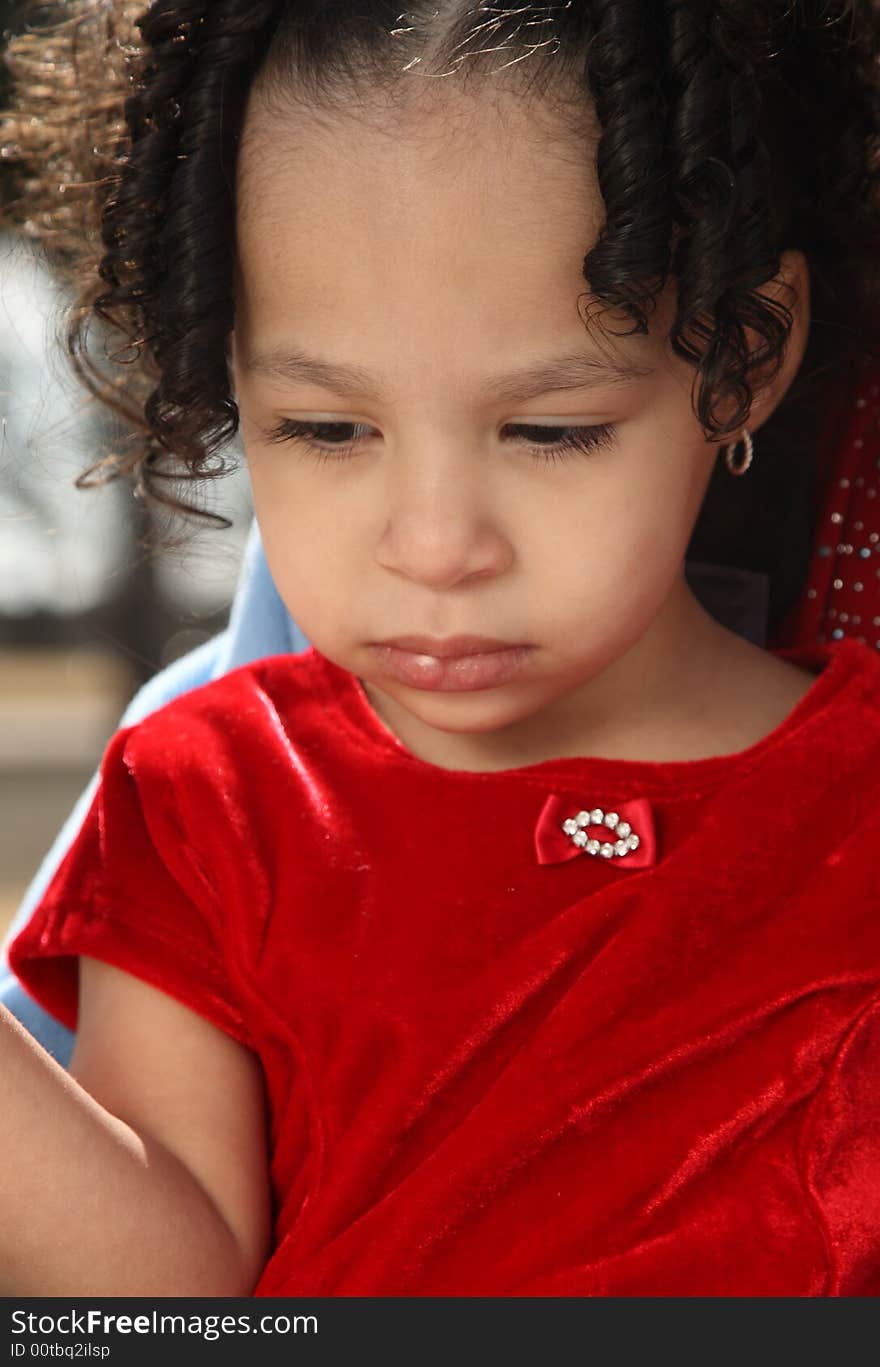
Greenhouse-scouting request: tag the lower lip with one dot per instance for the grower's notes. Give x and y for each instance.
(457, 673)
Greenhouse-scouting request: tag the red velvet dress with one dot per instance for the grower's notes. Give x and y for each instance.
(498, 1063)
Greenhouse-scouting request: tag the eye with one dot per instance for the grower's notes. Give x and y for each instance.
(576, 441)
(319, 438)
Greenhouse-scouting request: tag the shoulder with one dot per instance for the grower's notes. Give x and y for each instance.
(233, 700)
(838, 681)
(210, 740)
(202, 773)
(818, 694)
(828, 721)
(849, 681)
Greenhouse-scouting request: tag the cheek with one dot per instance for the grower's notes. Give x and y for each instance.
(284, 502)
(299, 558)
(625, 532)
(297, 548)
(293, 537)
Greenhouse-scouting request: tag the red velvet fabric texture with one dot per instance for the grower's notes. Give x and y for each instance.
(489, 1075)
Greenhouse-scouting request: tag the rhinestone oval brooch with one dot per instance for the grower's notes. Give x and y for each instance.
(627, 839)
(624, 835)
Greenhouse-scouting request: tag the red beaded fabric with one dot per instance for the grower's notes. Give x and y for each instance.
(842, 593)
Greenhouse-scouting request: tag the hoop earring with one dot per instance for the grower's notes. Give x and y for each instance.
(735, 467)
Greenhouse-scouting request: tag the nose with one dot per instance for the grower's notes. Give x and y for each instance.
(441, 529)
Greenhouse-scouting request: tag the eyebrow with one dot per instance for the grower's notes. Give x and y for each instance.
(574, 371)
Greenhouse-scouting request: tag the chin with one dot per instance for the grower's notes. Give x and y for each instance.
(477, 711)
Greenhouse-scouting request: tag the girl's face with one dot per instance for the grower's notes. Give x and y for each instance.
(443, 274)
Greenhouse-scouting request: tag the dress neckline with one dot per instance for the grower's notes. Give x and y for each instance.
(839, 666)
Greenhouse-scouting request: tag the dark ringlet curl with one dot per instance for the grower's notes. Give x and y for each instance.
(167, 223)
(630, 261)
(189, 245)
(726, 247)
(728, 131)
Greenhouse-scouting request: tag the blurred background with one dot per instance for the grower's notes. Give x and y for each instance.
(86, 613)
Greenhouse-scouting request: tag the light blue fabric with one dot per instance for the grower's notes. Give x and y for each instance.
(259, 625)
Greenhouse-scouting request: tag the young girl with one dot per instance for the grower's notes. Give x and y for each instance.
(520, 937)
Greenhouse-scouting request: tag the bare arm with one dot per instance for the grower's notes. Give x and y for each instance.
(140, 1172)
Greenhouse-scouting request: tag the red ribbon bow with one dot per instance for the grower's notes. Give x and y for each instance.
(553, 843)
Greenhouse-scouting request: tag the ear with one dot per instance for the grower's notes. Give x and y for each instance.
(790, 287)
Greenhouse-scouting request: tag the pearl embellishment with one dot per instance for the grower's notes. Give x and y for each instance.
(627, 840)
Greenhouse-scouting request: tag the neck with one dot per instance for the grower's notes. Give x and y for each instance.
(648, 701)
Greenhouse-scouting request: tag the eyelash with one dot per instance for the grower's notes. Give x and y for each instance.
(583, 441)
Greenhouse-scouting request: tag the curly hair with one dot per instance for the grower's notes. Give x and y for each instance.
(729, 132)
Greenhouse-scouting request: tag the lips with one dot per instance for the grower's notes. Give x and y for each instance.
(449, 647)
(470, 668)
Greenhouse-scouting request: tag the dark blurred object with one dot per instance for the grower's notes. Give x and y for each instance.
(739, 599)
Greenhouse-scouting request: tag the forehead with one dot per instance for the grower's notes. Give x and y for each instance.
(493, 186)
(443, 225)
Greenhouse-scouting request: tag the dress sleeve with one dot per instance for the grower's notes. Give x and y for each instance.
(842, 1157)
(132, 892)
